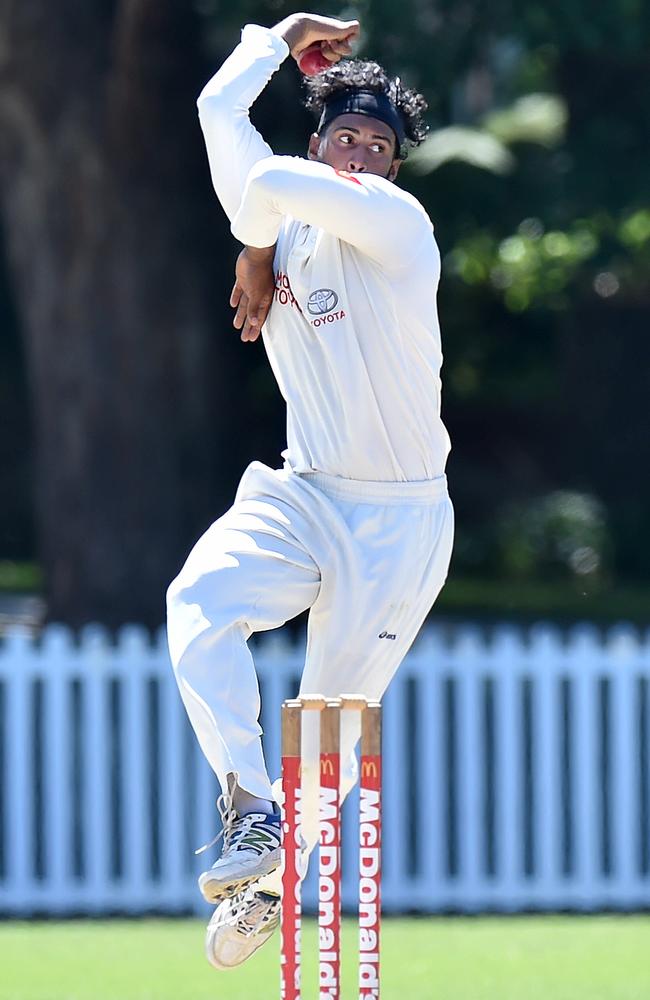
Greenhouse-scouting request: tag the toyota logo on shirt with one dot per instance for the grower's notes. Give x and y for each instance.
(322, 301)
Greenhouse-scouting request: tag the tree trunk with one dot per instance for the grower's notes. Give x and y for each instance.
(102, 193)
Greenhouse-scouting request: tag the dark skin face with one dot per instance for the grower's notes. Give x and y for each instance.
(358, 144)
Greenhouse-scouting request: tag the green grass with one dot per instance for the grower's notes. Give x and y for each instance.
(510, 958)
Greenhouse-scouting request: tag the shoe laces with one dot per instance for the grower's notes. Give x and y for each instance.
(253, 912)
(236, 832)
(228, 820)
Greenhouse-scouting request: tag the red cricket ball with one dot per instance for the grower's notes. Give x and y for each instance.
(312, 60)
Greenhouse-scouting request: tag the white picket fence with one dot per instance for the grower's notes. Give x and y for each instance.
(517, 773)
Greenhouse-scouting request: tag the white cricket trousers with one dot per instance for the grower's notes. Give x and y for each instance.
(368, 559)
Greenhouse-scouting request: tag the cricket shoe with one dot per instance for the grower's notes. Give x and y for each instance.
(251, 850)
(239, 926)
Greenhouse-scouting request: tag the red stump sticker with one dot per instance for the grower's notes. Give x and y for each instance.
(369, 876)
(291, 863)
(329, 879)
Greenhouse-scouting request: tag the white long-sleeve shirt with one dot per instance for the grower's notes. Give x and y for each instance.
(352, 336)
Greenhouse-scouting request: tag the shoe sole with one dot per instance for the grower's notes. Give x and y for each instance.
(214, 889)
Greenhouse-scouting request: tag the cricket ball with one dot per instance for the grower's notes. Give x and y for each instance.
(311, 61)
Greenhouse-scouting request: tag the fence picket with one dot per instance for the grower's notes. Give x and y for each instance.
(625, 760)
(546, 660)
(18, 804)
(469, 731)
(430, 775)
(135, 772)
(96, 764)
(58, 652)
(396, 799)
(585, 669)
(509, 749)
(171, 773)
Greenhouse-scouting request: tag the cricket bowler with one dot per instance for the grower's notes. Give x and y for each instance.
(338, 275)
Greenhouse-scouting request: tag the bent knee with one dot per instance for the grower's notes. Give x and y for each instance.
(199, 612)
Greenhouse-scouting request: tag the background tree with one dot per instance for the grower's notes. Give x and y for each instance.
(107, 246)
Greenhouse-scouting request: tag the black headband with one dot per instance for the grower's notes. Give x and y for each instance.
(366, 102)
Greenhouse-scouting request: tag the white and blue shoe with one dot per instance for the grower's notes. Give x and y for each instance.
(251, 850)
(239, 926)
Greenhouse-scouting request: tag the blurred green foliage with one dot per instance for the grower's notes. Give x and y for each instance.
(600, 255)
(488, 600)
(20, 577)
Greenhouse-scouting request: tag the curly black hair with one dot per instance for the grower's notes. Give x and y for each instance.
(361, 74)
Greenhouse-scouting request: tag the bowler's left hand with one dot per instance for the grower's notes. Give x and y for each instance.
(252, 295)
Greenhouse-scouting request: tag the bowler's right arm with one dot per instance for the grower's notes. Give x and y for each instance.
(233, 143)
